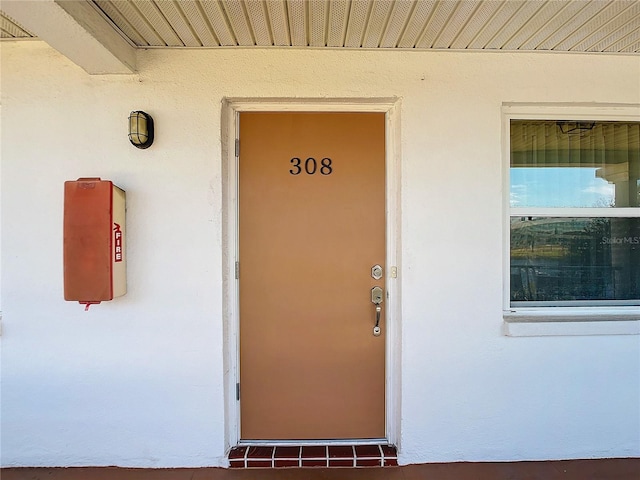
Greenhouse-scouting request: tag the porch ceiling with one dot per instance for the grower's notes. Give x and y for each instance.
(599, 26)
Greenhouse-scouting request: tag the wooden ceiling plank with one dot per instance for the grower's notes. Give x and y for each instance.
(398, 21)
(239, 22)
(195, 15)
(631, 48)
(571, 18)
(456, 23)
(297, 14)
(585, 29)
(607, 22)
(179, 23)
(417, 23)
(337, 22)
(149, 10)
(479, 19)
(122, 21)
(618, 38)
(318, 15)
(536, 24)
(555, 25)
(358, 17)
(513, 25)
(606, 26)
(497, 22)
(259, 21)
(279, 22)
(437, 22)
(217, 18)
(378, 20)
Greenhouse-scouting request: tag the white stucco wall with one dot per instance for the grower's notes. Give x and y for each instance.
(139, 381)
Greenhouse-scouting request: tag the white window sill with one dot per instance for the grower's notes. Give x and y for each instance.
(561, 321)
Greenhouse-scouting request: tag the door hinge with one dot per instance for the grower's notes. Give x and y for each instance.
(237, 270)
(237, 391)
(237, 147)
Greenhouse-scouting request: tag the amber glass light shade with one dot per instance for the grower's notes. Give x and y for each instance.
(140, 129)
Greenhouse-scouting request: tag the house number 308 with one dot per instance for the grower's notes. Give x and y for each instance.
(310, 166)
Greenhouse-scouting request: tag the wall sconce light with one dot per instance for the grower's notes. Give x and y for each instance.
(140, 129)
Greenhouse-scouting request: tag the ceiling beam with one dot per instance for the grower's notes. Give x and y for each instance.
(76, 30)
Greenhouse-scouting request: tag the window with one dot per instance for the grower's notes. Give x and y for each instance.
(574, 213)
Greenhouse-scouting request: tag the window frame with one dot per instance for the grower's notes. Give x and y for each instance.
(615, 319)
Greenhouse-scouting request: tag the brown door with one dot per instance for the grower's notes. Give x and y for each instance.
(312, 226)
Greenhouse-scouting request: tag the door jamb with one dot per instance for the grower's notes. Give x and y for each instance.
(231, 107)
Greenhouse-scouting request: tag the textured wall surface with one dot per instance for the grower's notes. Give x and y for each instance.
(139, 381)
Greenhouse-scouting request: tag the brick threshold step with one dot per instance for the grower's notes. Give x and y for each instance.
(325, 456)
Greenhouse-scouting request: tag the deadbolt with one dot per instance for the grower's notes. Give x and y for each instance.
(376, 272)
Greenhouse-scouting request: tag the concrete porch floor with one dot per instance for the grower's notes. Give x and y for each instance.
(607, 469)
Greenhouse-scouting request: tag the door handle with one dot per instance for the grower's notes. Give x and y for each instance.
(376, 299)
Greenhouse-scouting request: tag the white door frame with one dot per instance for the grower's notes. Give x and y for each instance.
(231, 108)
